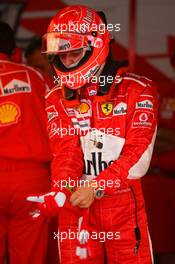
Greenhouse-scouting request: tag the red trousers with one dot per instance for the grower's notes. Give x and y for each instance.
(25, 238)
(110, 215)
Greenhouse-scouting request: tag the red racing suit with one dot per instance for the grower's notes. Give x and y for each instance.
(24, 161)
(115, 135)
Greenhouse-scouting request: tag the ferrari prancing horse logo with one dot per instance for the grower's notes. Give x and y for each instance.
(107, 108)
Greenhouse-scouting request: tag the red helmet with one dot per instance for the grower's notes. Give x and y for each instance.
(74, 28)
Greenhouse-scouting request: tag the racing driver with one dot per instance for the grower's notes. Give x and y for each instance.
(101, 130)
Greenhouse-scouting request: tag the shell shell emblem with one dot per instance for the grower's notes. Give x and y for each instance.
(83, 108)
(9, 113)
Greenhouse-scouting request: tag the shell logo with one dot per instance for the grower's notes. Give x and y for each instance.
(83, 108)
(9, 113)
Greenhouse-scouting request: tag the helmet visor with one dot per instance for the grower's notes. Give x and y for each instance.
(56, 42)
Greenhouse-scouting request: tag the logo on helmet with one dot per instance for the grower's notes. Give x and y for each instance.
(66, 45)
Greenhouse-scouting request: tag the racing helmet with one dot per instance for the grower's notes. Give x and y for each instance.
(77, 28)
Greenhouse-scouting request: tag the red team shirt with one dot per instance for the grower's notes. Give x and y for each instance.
(23, 133)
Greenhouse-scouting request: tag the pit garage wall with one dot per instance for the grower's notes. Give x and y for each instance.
(154, 24)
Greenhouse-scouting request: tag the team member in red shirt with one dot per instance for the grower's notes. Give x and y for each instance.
(24, 156)
(102, 131)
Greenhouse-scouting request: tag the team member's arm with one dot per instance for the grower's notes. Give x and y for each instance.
(67, 164)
